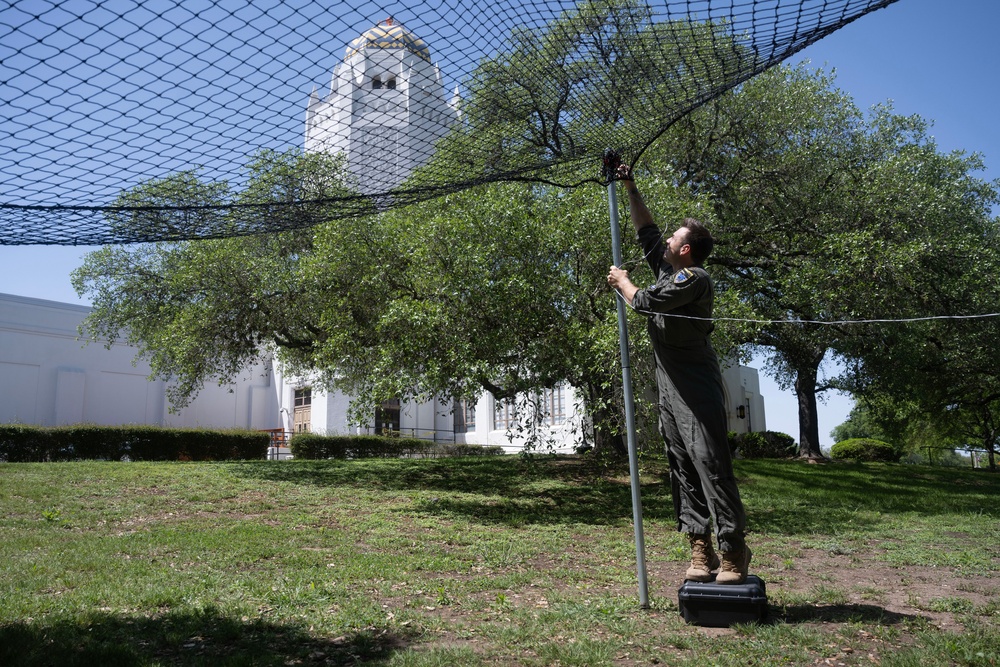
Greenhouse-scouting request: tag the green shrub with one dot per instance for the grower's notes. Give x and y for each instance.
(462, 449)
(864, 449)
(21, 443)
(313, 446)
(763, 445)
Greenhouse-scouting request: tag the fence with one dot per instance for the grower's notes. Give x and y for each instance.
(279, 441)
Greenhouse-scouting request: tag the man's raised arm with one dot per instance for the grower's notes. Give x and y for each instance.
(641, 217)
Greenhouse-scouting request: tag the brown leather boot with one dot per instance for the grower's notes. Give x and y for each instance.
(735, 565)
(703, 558)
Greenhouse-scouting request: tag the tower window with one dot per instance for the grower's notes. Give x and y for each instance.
(391, 83)
(376, 82)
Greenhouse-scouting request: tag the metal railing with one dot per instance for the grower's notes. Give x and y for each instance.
(279, 440)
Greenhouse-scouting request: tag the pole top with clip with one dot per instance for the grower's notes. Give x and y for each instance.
(609, 164)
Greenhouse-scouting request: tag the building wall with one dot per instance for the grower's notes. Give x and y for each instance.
(742, 387)
(50, 376)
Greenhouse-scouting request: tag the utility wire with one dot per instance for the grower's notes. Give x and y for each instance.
(821, 322)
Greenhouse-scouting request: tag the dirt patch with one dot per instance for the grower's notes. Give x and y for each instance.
(874, 590)
(821, 587)
(852, 594)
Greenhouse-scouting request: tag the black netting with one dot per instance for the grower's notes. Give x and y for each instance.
(101, 98)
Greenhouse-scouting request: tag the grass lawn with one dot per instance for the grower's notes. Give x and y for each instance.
(482, 561)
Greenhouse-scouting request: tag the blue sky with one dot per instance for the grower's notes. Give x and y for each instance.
(930, 57)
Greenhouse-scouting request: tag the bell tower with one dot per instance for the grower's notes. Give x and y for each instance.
(385, 109)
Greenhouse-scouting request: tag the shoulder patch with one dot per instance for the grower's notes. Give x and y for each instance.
(683, 276)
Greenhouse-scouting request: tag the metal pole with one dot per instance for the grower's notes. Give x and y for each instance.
(633, 458)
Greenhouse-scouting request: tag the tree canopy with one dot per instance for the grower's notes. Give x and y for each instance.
(203, 311)
(497, 288)
(823, 214)
(827, 215)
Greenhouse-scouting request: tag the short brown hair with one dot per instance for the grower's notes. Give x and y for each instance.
(700, 240)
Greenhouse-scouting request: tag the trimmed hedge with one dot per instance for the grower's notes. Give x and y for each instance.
(25, 443)
(864, 449)
(313, 446)
(764, 445)
(461, 449)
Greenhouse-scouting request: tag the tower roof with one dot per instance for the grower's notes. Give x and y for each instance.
(390, 34)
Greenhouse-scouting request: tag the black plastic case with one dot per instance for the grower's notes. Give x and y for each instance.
(721, 605)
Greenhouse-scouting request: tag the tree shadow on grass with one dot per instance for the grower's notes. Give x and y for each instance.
(783, 497)
(881, 487)
(481, 475)
(794, 498)
(841, 613)
(491, 490)
(184, 638)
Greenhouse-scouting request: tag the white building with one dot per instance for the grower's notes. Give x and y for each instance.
(385, 109)
(50, 376)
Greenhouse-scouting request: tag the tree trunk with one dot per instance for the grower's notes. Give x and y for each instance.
(606, 440)
(805, 392)
(604, 410)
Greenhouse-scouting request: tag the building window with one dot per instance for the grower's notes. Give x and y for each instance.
(387, 418)
(391, 83)
(465, 417)
(554, 405)
(504, 414)
(470, 415)
(376, 82)
(302, 412)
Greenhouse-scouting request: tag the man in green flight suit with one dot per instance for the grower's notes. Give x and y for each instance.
(691, 400)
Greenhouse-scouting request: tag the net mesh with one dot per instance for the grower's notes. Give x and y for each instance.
(101, 98)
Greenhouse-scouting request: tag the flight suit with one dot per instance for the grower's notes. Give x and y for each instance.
(691, 399)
